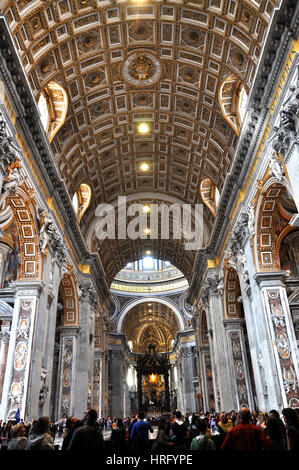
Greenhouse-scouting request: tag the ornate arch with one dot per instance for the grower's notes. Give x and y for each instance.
(232, 292)
(23, 209)
(69, 296)
(55, 98)
(203, 329)
(272, 225)
(210, 195)
(132, 304)
(229, 95)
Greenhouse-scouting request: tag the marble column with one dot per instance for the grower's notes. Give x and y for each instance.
(260, 350)
(139, 389)
(281, 337)
(223, 364)
(83, 346)
(97, 384)
(47, 331)
(4, 342)
(237, 350)
(68, 381)
(208, 388)
(116, 381)
(188, 388)
(209, 360)
(207, 385)
(16, 391)
(167, 394)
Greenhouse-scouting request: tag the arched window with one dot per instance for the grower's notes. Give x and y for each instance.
(210, 195)
(81, 200)
(52, 105)
(44, 111)
(233, 98)
(242, 103)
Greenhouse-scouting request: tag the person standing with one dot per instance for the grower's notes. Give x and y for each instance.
(118, 436)
(139, 434)
(292, 428)
(19, 439)
(42, 439)
(223, 427)
(202, 441)
(178, 431)
(275, 435)
(4, 437)
(245, 436)
(71, 424)
(89, 436)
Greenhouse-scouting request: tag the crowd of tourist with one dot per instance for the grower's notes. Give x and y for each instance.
(244, 430)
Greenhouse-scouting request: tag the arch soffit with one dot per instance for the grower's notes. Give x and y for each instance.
(23, 209)
(133, 303)
(69, 295)
(267, 240)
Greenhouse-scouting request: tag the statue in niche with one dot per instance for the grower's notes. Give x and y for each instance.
(262, 373)
(276, 168)
(46, 229)
(220, 286)
(44, 389)
(14, 178)
(14, 257)
(251, 220)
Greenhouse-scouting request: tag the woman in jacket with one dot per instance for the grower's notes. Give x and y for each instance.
(292, 428)
(19, 439)
(42, 439)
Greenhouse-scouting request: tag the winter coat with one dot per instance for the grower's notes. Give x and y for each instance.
(17, 443)
(41, 442)
(87, 437)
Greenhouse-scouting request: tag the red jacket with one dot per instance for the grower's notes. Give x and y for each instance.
(246, 437)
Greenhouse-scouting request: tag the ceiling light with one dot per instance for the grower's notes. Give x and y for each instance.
(147, 231)
(144, 166)
(143, 128)
(148, 252)
(146, 208)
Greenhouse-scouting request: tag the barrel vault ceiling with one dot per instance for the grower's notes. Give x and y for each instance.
(122, 62)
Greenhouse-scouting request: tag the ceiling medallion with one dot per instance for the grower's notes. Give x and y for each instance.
(142, 68)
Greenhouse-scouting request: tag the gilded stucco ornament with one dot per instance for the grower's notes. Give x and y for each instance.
(142, 68)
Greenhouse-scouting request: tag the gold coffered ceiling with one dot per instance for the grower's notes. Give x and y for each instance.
(150, 323)
(122, 62)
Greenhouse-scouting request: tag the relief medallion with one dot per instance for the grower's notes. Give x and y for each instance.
(142, 68)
